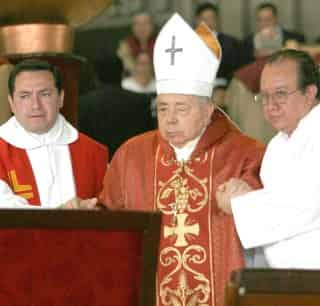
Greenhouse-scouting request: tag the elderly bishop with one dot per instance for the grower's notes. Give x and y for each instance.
(177, 168)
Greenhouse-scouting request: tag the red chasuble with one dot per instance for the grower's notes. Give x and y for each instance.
(199, 246)
(89, 161)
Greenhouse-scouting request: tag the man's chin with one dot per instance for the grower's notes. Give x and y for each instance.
(177, 144)
(37, 129)
(277, 125)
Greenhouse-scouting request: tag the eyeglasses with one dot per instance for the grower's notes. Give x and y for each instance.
(279, 97)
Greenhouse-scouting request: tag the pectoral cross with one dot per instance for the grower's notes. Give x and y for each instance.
(172, 50)
(181, 229)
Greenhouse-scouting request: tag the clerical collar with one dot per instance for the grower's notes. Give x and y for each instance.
(306, 124)
(61, 133)
(184, 153)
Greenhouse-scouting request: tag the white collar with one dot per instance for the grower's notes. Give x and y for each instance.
(310, 121)
(61, 133)
(185, 152)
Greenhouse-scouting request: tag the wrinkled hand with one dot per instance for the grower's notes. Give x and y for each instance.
(78, 203)
(228, 190)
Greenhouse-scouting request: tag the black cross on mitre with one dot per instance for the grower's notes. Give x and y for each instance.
(173, 50)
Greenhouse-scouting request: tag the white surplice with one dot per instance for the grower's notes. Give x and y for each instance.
(284, 216)
(50, 160)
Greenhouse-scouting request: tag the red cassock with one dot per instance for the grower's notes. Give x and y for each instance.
(89, 161)
(199, 246)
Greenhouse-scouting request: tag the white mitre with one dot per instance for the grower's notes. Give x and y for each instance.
(186, 61)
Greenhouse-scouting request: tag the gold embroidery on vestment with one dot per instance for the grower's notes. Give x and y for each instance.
(178, 186)
(181, 230)
(183, 294)
(183, 196)
(24, 191)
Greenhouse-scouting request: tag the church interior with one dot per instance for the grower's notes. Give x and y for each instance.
(110, 95)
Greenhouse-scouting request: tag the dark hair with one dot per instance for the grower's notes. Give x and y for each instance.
(34, 65)
(307, 69)
(206, 6)
(267, 5)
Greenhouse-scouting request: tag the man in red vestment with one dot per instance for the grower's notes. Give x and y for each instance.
(44, 161)
(177, 169)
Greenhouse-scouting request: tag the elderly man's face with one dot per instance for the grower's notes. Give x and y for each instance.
(36, 101)
(181, 118)
(284, 103)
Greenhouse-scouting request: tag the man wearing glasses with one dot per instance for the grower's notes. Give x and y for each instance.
(284, 216)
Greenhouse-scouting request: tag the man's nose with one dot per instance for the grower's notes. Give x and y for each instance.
(35, 101)
(172, 116)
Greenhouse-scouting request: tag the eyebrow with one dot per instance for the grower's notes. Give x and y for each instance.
(30, 91)
(178, 103)
(282, 87)
(24, 91)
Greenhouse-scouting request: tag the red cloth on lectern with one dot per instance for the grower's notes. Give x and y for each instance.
(70, 267)
(199, 248)
(89, 161)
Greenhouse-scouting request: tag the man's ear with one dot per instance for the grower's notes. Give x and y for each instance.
(210, 109)
(311, 92)
(61, 99)
(10, 99)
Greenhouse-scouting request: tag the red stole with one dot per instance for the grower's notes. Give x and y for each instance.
(17, 172)
(19, 175)
(186, 267)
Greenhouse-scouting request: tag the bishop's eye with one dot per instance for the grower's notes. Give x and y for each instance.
(161, 109)
(182, 109)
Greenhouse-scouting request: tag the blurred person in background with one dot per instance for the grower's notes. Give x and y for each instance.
(142, 38)
(142, 78)
(209, 14)
(268, 31)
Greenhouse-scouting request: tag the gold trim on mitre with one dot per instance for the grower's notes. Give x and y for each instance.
(209, 39)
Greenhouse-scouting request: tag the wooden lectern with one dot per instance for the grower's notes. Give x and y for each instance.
(78, 258)
(270, 287)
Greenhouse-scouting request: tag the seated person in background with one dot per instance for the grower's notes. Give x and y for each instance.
(266, 42)
(141, 39)
(266, 21)
(44, 161)
(142, 78)
(209, 14)
(176, 169)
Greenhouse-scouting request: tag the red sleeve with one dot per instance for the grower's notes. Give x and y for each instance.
(251, 167)
(112, 194)
(101, 163)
